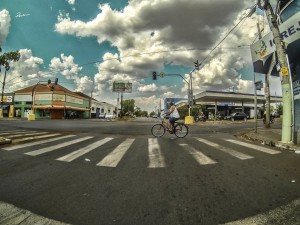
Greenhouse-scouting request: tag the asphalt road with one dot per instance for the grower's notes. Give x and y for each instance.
(123, 175)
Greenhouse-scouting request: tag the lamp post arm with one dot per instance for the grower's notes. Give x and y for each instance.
(178, 75)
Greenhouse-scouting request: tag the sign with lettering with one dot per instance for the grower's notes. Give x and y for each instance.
(43, 97)
(290, 32)
(23, 98)
(284, 71)
(122, 87)
(57, 97)
(72, 99)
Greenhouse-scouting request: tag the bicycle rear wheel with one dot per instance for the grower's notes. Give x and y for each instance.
(181, 130)
(158, 130)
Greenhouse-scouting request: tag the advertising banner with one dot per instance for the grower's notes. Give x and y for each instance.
(23, 98)
(263, 48)
(43, 97)
(57, 97)
(122, 87)
(7, 98)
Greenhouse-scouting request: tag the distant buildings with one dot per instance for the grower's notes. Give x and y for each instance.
(53, 102)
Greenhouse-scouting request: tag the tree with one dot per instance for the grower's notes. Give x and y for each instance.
(128, 106)
(8, 57)
(279, 109)
(5, 59)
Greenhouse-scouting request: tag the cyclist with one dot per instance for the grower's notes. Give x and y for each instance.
(174, 116)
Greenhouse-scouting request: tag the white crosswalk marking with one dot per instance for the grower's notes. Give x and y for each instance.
(256, 147)
(74, 155)
(34, 137)
(198, 156)
(27, 134)
(55, 147)
(156, 159)
(10, 131)
(35, 143)
(17, 132)
(116, 155)
(234, 153)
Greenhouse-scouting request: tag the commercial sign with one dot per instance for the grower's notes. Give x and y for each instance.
(43, 97)
(7, 98)
(122, 87)
(57, 97)
(23, 98)
(289, 30)
(74, 100)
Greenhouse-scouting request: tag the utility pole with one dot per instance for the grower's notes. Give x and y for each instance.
(267, 91)
(3, 85)
(286, 136)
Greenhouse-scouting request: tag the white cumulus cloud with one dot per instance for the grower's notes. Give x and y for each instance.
(5, 20)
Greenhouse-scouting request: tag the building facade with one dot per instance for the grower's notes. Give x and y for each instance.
(50, 101)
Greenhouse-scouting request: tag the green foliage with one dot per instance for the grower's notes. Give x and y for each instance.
(280, 109)
(128, 106)
(152, 113)
(8, 57)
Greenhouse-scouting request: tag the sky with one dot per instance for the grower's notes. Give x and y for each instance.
(88, 45)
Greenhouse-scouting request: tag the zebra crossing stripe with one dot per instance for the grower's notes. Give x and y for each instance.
(198, 156)
(255, 147)
(10, 131)
(30, 134)
(18, 132)
(35, 143)
(74, 155)
(234, 153)
(55, 147)
(156, 159)
(112, 159)
(34, 137)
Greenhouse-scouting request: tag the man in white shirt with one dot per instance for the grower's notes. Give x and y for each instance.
(174, 115)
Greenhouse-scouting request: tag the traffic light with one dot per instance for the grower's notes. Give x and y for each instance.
(197, 65)
(56, 81)
(154, 76)
(49, 81)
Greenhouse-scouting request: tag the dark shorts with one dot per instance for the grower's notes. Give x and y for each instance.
(172, 120)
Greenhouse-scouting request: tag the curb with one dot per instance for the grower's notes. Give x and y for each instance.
(272, 143)
(4, 141)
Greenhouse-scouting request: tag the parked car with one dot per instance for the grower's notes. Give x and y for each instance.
(102, 115)
(109, 116)
(236, 116)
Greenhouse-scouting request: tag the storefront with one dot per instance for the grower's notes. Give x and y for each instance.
(6, 105)
(41, 101)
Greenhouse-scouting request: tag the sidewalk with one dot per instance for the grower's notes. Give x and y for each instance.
(269, 136)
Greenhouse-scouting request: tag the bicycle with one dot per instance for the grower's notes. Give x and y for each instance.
(179, 129)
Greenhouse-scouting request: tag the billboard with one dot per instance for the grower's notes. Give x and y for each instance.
(262, 49)
(122, 87)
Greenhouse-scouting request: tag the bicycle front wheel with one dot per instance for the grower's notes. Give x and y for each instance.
(181, 130)
(158, 130)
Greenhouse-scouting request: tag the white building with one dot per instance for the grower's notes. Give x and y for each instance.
(102, 109)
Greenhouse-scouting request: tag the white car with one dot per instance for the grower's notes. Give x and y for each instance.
(109, 116)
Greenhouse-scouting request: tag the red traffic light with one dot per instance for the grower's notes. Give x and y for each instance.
(154, 76)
